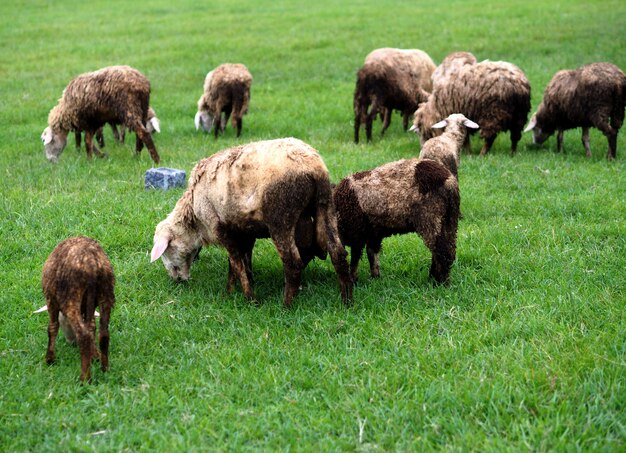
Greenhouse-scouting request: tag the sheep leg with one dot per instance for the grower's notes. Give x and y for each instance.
(487, 146)
(239, 125)
(226, 118)
(405, 121)
(77, 138)
(443, 253)
(386, 120)
(100, 137)
(217, 128)
(86, 346)
(292, 263)
(138, 145)
(104, 334)
(516, 136)
(373, 256)
(357, 126)
(53, 330)
(559, 140)
(369, 119)
(146, 138)
(467, 145)
(91, 148)
(355, 256)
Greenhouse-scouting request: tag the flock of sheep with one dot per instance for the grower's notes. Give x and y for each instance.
(281, 189)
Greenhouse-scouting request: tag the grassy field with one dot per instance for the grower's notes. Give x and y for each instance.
(524, 350)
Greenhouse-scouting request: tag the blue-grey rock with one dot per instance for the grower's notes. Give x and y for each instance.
(164, 178)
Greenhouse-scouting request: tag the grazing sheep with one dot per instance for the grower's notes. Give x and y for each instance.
(450, 66)
(400, 197)
(446, 148)
(153, 124)
(77, 278)
(115, 94)
(495, 94)
(593, 95)
(390, 79)
(227, 90)
(264, 189)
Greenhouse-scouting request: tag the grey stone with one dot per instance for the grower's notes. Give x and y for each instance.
(164, 178)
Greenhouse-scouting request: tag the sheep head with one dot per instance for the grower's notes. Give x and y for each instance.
(204, 119)
(539, 135)
(177, 247)
(54, 143)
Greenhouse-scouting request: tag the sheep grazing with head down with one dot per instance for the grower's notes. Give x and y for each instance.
(450, 66)
(227, 91)
(152, 125)
(390, 79)
(495, 94)
(77, 278)
(411, 195)
(593, 95)
(278, 189)
(115, 94)
(446, 148)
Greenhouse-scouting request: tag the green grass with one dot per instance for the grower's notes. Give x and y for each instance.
(524, 350)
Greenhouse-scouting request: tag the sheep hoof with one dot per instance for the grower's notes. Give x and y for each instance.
(50, 358)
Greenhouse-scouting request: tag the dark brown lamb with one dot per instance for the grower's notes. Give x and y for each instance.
(390, 79)
(77, 278)
(227, 91)
(495, 94)
(593, 95)
(276, 188)
(115, 94)
(405, 196)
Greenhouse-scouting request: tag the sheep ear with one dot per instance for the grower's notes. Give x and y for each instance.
(44, 308)
(471, 124)
(156, 124)
(46, 136)
(414, 129)
(532, 124)
(440, 125)
(160, 245)
(196, 120)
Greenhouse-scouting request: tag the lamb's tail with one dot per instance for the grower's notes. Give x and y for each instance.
(327, 236)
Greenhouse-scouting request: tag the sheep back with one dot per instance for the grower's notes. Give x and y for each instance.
(450, 66)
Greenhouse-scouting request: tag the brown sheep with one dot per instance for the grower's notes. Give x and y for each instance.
(411, 195)
(390, 79)
(115, 94)
(77, 278)
(495, 94)
(593, 95)
(263, 189)
(226, 90)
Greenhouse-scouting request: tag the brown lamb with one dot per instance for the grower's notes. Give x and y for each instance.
(593, 95)
(115, 94)
(276, 188)
(495, 94)
(390, 79)
(227, 91)
(411, 195)
(77, 278)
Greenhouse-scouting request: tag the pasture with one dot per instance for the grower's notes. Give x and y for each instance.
(524, 350)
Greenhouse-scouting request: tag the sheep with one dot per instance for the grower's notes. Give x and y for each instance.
(262, 189)
(408, 195)
(390, 79)
(450, 66)
(115, 94)
(593, 95)
(227, 90)
(495, 94)
(153, 124)
(446, 148)
(77, 277)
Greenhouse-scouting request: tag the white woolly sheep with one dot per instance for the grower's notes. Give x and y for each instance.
(593, 95)
(390, 79)
(226, 90)
(262, 189)
(115, 94)
(411, 195)
(495, 94)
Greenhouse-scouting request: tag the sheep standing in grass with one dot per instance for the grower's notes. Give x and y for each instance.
(495, 94)
(390, 79)
(450, 66)
(273, 189)
(446, 148)
(77, 278)
(115, 94)
(593, 95)
(226, 90)
(152, 125)
(400, 197)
